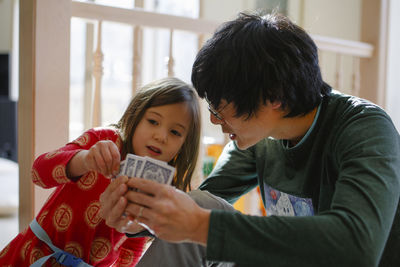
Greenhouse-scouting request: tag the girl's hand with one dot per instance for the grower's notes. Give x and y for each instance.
(103, 157)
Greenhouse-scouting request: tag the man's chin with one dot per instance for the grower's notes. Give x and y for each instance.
(242, 145)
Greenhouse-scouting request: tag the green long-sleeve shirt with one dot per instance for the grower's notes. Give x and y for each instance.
(348, 164)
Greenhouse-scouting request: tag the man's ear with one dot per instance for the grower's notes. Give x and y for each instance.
(276, 104)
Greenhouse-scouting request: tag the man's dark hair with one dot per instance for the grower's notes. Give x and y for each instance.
(256, 58)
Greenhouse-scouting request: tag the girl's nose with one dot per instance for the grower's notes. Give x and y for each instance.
(161, 136)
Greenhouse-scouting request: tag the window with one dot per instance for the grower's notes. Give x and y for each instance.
(117, 48)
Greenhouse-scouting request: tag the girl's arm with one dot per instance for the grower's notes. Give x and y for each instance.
(77, 158)
(103, 157)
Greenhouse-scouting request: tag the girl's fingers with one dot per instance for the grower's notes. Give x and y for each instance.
(104, 157)
(107, 159)
(116, 159)
(100, 164)
(111, 157)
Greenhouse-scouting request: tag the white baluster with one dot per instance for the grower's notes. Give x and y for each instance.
(355, 89)
(339, 73)
(137, 58)
(98, 74)
(171, 57)
(88, 90)
(137, 52)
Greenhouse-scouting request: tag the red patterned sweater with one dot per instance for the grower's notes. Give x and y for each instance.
(70, 215)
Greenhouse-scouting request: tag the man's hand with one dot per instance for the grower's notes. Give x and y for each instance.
(112, 207)
(170, 213)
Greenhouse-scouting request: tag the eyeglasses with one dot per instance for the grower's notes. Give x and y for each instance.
(214, 112)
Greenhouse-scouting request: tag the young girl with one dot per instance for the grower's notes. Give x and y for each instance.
(163, 122)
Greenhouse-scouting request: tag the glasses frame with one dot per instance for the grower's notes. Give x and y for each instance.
(213, 111)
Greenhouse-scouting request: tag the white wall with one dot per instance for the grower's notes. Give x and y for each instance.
(9, 41)
(393, 64)
(339, 19)
(222, 10)
(5, 25)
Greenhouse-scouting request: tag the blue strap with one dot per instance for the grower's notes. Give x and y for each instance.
(61, 256)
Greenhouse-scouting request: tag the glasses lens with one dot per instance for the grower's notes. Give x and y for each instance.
(215, 113)
(212, 110)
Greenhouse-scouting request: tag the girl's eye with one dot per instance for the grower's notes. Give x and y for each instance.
(154, 122)
(175, 132)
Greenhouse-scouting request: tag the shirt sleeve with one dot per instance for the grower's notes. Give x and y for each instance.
(131, 251)
(234, 174)
(352, 232)
(49, 169)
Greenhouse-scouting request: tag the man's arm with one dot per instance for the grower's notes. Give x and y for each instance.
(233, 175)
(163, 253)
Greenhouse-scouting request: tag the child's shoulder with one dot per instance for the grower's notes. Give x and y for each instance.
(105, 133)
(103, 130)
(93, 135)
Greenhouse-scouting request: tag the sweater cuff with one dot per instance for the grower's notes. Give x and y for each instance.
(215, 240)
(144, 233)
(69, 156)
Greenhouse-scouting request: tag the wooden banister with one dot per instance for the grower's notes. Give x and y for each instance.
(344, 47)
(138, 16)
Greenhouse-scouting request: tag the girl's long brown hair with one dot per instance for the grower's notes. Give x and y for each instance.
(159, 93)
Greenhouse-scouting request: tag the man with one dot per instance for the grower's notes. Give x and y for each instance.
(291, 135)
